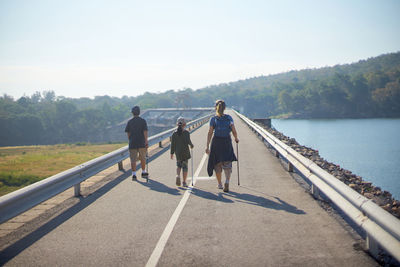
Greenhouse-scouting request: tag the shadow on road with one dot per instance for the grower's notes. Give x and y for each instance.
(279, 204)
(208, 195)
(266, 203)
(159, 187)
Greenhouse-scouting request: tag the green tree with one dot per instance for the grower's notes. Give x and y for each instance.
(285, 101)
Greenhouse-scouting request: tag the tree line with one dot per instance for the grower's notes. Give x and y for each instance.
(366, 89)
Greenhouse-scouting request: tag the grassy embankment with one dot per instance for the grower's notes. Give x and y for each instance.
(24, 165)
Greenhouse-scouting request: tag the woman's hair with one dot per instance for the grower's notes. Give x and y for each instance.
(219, 107)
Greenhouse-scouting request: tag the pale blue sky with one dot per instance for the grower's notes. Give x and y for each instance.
(83, 48)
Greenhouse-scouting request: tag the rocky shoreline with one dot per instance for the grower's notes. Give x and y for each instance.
(381, 197)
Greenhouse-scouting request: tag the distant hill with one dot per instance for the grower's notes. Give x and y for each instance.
(368, 88)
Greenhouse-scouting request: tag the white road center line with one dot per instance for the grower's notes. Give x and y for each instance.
(155, 256)
(198, 178)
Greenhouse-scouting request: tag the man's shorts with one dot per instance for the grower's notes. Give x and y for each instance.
(226, 165)
(134, 154)
(183, 164)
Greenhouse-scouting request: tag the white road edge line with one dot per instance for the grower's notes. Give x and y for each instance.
(155, 256)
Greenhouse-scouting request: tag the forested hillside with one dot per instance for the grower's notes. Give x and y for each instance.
(368, 88)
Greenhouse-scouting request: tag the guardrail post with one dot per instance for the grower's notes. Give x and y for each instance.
(372, 246)
(315, 191)
(120, 167)
(77, 190)
(290, 167)
(160, 144)
(276, 153)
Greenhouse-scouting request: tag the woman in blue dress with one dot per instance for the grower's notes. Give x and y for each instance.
(221, 151)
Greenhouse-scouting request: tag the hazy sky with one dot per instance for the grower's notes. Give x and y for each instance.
(83, 48)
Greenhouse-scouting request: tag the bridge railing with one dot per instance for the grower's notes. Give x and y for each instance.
(382, 228)
(25, 198)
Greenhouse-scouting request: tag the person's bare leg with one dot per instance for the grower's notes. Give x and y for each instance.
(133, 165)
(178, 179)
(218, 175)
(142, 158)
(228, 173)
(143, 163)
(185, 176)
(227, 178)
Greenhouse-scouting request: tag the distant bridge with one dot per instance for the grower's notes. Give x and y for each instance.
(158, 120)
(271, 219)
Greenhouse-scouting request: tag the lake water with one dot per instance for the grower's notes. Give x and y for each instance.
(369, 148)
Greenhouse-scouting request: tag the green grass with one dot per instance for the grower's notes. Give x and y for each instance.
(16, 180)
(25, 165)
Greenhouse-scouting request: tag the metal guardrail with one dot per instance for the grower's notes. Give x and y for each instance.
(25, 198)
(381, 227)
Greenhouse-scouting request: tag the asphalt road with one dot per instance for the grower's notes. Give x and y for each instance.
(269, 220)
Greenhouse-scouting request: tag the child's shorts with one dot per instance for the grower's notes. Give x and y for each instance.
(133, 153)
(183, 164)
(226, 165)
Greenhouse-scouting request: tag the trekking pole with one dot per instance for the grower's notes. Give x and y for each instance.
(237, 153)
(192, 166)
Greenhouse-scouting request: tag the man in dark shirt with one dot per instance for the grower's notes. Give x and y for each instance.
(136, 130)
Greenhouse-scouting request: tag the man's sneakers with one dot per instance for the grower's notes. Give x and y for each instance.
(184, 184)
(144, 175)
(226, 187)
(220, 186)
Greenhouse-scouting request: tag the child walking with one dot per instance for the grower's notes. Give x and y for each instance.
(180, 143)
